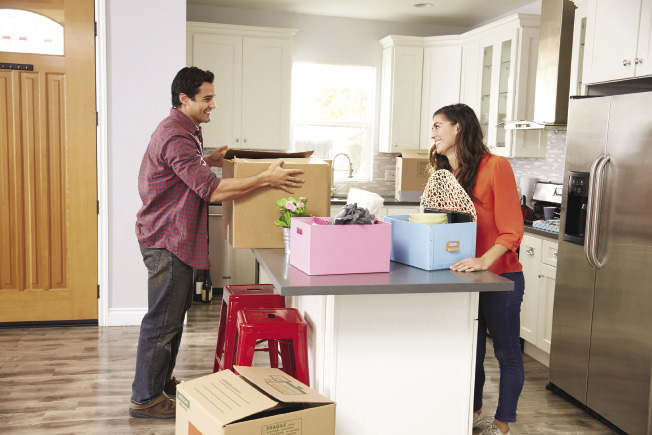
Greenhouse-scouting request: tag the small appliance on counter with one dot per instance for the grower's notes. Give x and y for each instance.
(546, 201)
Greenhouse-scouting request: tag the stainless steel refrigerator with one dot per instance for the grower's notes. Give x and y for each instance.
(601, 352)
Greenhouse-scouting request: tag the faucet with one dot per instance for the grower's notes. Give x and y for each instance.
(333, 186)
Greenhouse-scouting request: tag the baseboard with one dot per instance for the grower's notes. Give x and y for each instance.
(125, 316)
(540, 355)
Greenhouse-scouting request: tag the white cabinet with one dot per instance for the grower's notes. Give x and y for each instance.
(539, 259)
(419, 76)
(577, 85)
(619, 40)
(498, 82)
(252, 68)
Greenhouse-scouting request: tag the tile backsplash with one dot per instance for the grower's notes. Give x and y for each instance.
(550, 168)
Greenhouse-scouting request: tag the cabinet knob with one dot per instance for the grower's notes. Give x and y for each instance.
(237, 139)
(638, 61)
(245, 139)
(529, 251)
(554, 254)
(627, 62)
(540, 276)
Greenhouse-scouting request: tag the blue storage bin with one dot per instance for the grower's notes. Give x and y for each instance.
(430, 247)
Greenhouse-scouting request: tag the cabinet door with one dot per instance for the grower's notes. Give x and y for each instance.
(471, 69)
(644, 52)
(222, 55)
(530, 258)
(401, 101)
(442, 71)
(549, 253)
(612, 35)
(266, 77)
(545, 305)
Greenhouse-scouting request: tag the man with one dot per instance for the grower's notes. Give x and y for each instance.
(175, 184)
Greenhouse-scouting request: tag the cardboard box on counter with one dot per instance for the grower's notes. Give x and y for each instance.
(412, 174)
(262, 401)
(248, 222)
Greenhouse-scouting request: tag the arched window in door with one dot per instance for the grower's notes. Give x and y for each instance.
(27, 32)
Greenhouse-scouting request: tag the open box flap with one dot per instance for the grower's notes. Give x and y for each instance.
(280, 385)
(415, 154)
(225, 396)
(254, 154)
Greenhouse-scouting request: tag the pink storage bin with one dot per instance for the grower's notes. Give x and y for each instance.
(317, 248)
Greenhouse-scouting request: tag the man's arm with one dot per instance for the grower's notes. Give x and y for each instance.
(275, 176)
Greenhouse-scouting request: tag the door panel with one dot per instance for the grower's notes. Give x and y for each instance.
(621, 344)
(48, 235)
(588, 123)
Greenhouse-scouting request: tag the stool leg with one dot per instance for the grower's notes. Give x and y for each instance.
(272, 346)
(219, 347)
(301, 358)
(245, 349)
(230, 340)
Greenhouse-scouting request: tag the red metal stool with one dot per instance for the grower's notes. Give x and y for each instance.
(283, 325)
(234, 299)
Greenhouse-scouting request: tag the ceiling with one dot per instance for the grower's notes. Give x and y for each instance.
(463, 13)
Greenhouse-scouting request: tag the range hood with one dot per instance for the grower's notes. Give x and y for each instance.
(553, 67)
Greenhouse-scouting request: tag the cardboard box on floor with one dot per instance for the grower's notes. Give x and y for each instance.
(262, 401)
(248, 222)
(412, 174)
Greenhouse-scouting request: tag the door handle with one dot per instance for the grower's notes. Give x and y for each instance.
(529, 251)
(589, 212)
(597, 207)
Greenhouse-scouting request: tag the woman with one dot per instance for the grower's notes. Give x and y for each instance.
(489, 181)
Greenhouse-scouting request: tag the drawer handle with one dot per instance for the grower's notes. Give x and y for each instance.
(529, 251)
(554, 254)
(453, 246)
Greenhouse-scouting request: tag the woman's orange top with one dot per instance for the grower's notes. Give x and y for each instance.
(500, 219)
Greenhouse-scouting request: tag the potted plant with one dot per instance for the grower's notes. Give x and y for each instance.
(290, 208)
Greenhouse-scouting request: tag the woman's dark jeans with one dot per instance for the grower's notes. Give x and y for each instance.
(500, 312)
(169, 295)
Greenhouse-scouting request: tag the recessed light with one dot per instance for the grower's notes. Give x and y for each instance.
(422, 5)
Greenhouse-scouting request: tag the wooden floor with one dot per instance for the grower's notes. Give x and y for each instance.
(77, 380)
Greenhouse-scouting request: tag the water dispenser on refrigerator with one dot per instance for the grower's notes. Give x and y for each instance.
(576, 200)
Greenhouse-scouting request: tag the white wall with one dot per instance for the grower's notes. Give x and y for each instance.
(146, 46)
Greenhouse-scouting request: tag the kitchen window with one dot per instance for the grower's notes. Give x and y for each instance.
(332, 112)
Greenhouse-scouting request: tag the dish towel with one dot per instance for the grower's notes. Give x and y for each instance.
(445, 192)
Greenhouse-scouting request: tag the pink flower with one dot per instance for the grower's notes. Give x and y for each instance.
(293, 208)
(289, 205)
(300, 205)
(302, 198)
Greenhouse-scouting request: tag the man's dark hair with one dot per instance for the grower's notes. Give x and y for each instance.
(188, 81)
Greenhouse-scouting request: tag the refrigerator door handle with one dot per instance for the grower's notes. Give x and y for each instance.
(596, 212)
(588, 239)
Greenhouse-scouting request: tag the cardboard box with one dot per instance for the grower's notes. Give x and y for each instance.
(248, 222)
(412, 174)
(262, 401)
(431, 247)
(320, 249)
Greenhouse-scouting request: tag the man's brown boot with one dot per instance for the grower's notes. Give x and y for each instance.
(159, 407)
(170, 386)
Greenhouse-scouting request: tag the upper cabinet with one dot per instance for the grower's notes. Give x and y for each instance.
(619, 40)
(498, 82)
(252, 68)
(492, 69)
(419, 76)
(577, 85)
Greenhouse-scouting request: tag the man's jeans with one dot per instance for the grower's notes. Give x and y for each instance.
(500, 312)
(169, 294)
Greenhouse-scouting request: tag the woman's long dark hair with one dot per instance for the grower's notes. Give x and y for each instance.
(469, 148)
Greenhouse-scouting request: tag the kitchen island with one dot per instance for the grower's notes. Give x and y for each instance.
(395, 350)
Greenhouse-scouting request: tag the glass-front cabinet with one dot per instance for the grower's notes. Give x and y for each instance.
(506, 57)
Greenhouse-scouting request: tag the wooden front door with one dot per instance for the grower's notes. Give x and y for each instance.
(48, 216)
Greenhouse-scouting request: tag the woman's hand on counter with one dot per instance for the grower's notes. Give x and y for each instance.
(473, 264)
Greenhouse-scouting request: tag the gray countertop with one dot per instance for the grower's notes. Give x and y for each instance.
(542, 233)
(401, 278)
